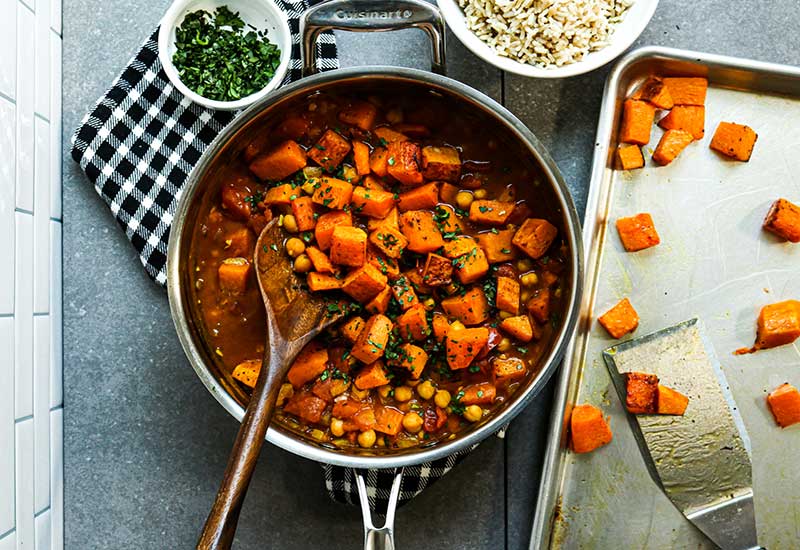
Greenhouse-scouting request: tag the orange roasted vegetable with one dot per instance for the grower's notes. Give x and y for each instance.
(364, 283)
(637, 121)
(783, 219)
(320, 260)
(441, 163)
(282, 161)
(497, 245)
(487, 212)
(421, 231)
(412, 358)
(332, 193)
(588, 429)
(233, 274)
(348, 246)
(374, 203)
(318, 282)
(687, 90)
(326, 223)
(507, 298)
(371, 343)
(734, 140)
(404, 163)
(471, 309)
(670, 146)
(413, 323)
(371, 376)
(620, 319)
(539, 305)
(246, 372)
(637, 232)
(778, 325)
(784, 402)
(352, 329)
(329, 151)
(518, 327)
(304, 214)
(671, 401)
(389, 240)
(482, 393)
(361, 157)
(420, 198)
(630, 157)
(689, 118)
(438, 270)
(359, 113)
(655, 91)
(534, 237)
(280, 194)
(641, 393)
(308, 365)
(463, 345)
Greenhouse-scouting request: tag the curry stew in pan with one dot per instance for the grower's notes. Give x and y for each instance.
(437, 233)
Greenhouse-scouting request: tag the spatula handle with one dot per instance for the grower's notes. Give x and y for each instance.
(221, 524)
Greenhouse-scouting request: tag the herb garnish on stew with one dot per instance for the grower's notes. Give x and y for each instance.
(219, 59)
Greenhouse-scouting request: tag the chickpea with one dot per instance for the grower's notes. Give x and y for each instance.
(357, 394)
(457, 325)
(412, 382)
(504, 345)
(295, 247)
(290, 223)
(473, 413)
(367, 439)
(504, 315)
(426, 390)
(384, 390)
(524, 265)
(442, 399)
(529, 279)
(480, 193)
(464, 199)
(429, 304)
(526, 295)
(302, 264)
(403, 393)
(412, 422)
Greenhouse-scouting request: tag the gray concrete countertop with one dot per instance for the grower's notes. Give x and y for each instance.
(145, 443)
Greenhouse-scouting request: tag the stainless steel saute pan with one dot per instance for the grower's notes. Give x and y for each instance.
(360, 15)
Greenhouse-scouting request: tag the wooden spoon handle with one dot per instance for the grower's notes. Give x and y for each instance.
(221, 524)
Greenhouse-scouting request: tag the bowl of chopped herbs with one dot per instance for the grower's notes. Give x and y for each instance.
(225, 54)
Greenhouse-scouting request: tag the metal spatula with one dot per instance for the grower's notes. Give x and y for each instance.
(701, 459)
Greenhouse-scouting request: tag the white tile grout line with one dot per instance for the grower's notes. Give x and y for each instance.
(42, 511)
(57, 407)
(7, 98)
(23, 419)
(23, 211)
(7, 533)
(42, 118)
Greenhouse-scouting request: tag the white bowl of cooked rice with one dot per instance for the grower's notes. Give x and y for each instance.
(547, 38)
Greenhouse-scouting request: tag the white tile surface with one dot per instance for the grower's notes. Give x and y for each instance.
(56, 316)
(55, 17)
(43, 528)
(6, 424)
(55, 124)
(24, 489)
(25, 97)
(42, 58)
(23, 315)
(41, 219)
(8, 45)
(9, 542)
(57, 478)
(41, 411)
(7, 175)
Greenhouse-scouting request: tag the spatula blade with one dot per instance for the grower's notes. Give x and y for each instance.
(701, 459)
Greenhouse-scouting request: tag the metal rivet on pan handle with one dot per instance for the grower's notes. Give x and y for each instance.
(372, 15)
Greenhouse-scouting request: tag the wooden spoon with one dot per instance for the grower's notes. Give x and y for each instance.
(294, 317)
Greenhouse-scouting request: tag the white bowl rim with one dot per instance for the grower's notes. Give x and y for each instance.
(177, 10)
(454, 17)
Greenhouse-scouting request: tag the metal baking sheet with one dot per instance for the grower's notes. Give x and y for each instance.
(715, 263)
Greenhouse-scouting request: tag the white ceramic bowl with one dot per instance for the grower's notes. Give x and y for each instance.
(264, 15)
(626, 32)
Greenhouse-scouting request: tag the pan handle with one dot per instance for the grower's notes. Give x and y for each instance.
(378, 538)
(372, 15)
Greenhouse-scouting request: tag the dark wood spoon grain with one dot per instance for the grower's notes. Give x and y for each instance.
(294, 317)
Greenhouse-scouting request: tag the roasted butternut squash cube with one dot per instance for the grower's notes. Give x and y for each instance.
(413, 323)
(489, 212)
(637, 121)
(240, 243)
(441, 163)
(687, 90)
(670, 146)
(783, 219)
(784, 403)
(655, 91)
(233, 274)
(364, 283)
(472, 266)
(482, 393)
(371, 376)
(734, 140)
(306, 406)
(389, 240)
(637, 232)
(421, 231)
(589, 430)
(371, 343)
(348, 246)
(689, 118)
(778, 324)
(641, 393)
(539, 305)
(374, 203)
(281, 194)
(507, 295)
(403, 163)
(352, 328)
(329, 150)
(404, 293)
(463, 345)
(320, 260)
(497, 245)
(332, 193)
(534, 237)
(412, 358)
(310, 363)
(318, 282)
(304, 213)
(423, 197)
(671, 401)
(518, 327)
(438, 270)
(326, 223)
(280, 162)
(380, 303)
(247, 372)
(359, 113)
(471, 309)
(620, 319)
(508, 370)
(630, 157)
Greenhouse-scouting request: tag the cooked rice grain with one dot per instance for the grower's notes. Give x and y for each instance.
(544, 32)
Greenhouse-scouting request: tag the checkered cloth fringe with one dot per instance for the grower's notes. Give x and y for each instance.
(139, 144)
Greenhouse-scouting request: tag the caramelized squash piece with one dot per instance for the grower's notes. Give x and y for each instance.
(589, 430)
(784, 403)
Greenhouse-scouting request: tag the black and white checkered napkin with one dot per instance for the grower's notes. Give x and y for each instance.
(139, 144)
